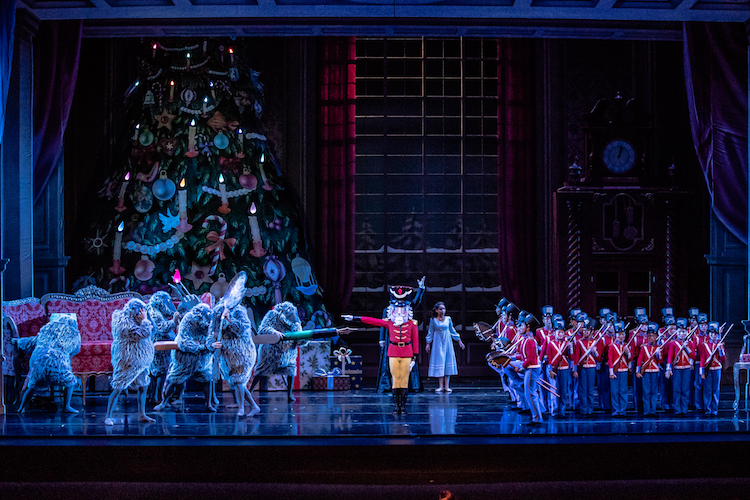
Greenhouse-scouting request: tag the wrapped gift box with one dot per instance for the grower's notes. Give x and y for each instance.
(313, 356)
(310, 357)
(331, 383)
(353, 369)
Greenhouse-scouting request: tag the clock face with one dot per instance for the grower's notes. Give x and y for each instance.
(618, 156)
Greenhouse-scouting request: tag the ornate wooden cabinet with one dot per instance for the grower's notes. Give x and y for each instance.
(617, 220)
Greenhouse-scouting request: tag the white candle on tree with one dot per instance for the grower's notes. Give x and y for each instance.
(117, 249)
(182, 197)
(253, 220)
(223, 190)
(121, 198)
(258, 250)
(191, 135)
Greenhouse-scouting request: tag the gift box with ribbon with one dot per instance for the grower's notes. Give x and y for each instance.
(330, 381)
(349, 365)
(310, 356)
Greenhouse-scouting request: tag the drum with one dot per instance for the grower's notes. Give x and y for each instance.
(498, 359)
(484, 331)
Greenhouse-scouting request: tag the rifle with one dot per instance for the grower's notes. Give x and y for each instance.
(658, 350)
(685, 342)
(598, 336)
(555, 362)
(713, 353)
(619, 358)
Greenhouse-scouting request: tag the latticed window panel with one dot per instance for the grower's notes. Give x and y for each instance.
(426, 172)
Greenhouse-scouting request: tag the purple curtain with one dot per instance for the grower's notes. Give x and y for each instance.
(334, 234)
(7, 23)
(57, 48)
(515, 171)
(716, 79)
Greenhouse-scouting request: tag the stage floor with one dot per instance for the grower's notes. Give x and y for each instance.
(471, 437)
(477, 410)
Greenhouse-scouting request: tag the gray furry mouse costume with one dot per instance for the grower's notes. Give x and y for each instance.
(193, 356)
(49, 365)
(279, 358)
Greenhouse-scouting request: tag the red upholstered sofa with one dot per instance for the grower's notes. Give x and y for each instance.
(93, 308)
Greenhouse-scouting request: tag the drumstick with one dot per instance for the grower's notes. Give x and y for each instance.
(548, 388)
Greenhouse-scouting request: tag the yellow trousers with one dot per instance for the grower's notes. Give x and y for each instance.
(400, 372)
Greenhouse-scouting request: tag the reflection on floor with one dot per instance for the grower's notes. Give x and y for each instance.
(475, 409)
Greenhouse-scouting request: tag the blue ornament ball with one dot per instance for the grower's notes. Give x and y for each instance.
(163, 189)
(221, 141)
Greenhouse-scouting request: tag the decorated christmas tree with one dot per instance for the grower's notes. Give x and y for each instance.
(200, 194)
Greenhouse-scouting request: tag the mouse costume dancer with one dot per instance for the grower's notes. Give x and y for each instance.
(132, 355)
(280, 358)
(403, 343)
(49, 365)
(192, 357)
(164, 317)
(232, 337)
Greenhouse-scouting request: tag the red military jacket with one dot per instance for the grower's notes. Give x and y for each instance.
(640, 339)
(706, 348)
(647, 351)
(530, 353)
(686, 354)
(508, 331)
(615, 350)
(603, 347)
(558, 354)
(403, 340)
(582, 345)
(542, 336)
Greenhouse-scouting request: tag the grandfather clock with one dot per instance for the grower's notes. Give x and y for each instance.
(616, 219)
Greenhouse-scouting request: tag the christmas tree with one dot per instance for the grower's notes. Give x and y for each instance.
(200, 194)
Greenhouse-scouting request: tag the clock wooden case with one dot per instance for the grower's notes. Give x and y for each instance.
(618, 138)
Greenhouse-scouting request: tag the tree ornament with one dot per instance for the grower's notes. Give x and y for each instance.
(169, 221)
(163, 188)
(146, 138)
(218, 288)
(165, 119)
(221, 141)
(217, 247)
(198, 275)
(248, 180)
(149, 177)
(306, 282)
(168, 145)
(188, 95)
(217, 121)
(274, 271)
(144, 269)
(143, 199)
(96, 244)
(148, 99)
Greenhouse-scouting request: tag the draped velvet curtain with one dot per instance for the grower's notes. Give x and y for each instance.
(57, 48)
(7, 24)
(334, 235)
(515, 171)
(715, 57)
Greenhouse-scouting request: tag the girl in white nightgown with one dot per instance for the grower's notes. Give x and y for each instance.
(440, 337)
